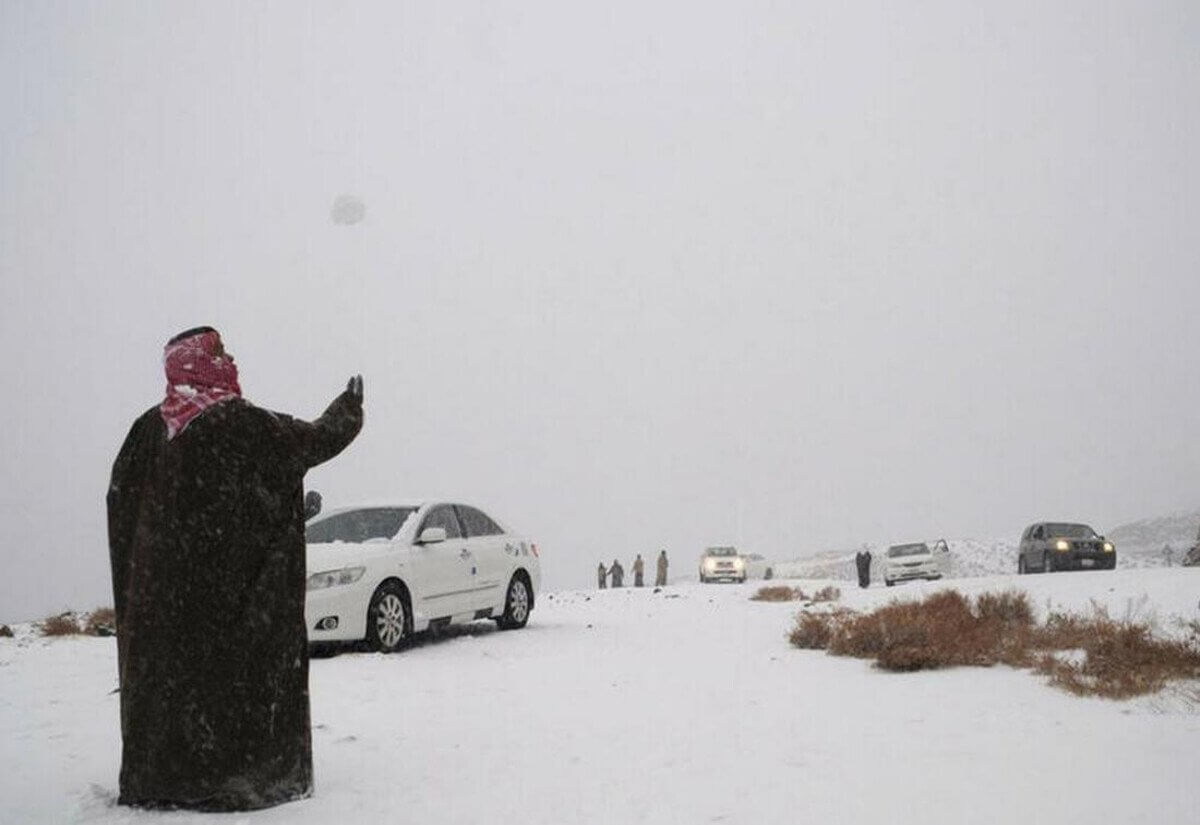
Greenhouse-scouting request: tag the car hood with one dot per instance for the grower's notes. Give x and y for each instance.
(903, 561)
(320, 557)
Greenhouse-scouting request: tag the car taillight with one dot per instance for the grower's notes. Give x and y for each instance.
(533, 547)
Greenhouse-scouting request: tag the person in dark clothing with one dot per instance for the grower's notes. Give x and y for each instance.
(602, 576)
(639, 570)
(617, 572)
(206, 540)
(863, 561)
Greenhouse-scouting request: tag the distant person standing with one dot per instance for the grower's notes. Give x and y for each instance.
(660, 576)
(618, 573)
(639, 567)
(602, 576)
(863, 561)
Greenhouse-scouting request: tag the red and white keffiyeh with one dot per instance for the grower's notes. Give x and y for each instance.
(197, 378)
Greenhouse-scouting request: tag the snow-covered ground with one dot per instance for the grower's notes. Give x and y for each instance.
(685, 706)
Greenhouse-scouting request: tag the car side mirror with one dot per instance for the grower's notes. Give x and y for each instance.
(432, 535)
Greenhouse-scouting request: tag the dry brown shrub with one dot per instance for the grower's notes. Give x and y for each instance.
(778, 593)
(6, 631)
(1121, 659)
(101, 622)
(1066, 631)
(1010, 608)
(1116, 658)
(814, 631)
(829, 593)
(937, 632)
(862, 636)
(62, 625)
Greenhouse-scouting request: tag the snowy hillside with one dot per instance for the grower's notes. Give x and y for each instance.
(683, 706)
(1142, 542)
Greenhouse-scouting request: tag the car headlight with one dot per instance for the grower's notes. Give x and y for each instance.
(1108, 547)
(739, 563)
(1062, 545)
(333, 578)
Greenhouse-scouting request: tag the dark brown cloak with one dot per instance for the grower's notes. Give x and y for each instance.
(206, 538)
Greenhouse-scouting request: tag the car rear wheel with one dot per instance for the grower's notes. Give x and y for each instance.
(389, 618)
(516, 605)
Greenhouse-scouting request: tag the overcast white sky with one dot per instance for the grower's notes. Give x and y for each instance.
(632, 275)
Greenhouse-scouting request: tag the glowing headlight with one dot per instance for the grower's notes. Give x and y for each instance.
(739, 563)
(1062, 545)
(1108, 547)
(710, 564)
(333, 578)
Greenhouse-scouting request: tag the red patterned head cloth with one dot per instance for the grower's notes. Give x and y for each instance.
(199, 375)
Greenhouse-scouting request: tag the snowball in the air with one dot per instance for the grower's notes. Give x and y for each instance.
(348, 210)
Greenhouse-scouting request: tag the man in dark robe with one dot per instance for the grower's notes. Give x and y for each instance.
(206, 538)
(863, 561)
(617, 572)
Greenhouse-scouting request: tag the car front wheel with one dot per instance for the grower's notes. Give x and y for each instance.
(516, 605)
(389, 621)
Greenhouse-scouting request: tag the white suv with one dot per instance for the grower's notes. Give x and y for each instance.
(382, 573)
(910, 561)
(722, 564)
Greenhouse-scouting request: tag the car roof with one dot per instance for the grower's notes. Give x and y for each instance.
(416, 504)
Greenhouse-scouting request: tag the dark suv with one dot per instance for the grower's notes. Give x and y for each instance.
(1054, 545)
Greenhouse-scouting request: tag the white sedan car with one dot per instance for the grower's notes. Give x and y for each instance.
(905, 562)
(381, 573)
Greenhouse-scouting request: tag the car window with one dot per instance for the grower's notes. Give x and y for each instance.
(899, 550)
(1037, 533)
(477, 522)
(1071, 531)
(443, 516)
(358, 526)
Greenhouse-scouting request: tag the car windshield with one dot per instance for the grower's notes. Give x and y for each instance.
(1070, 531)
(358, 526)
(907, 550)
(721, 551)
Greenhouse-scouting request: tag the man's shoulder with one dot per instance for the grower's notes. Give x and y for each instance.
(247, 414)
(147, 420)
